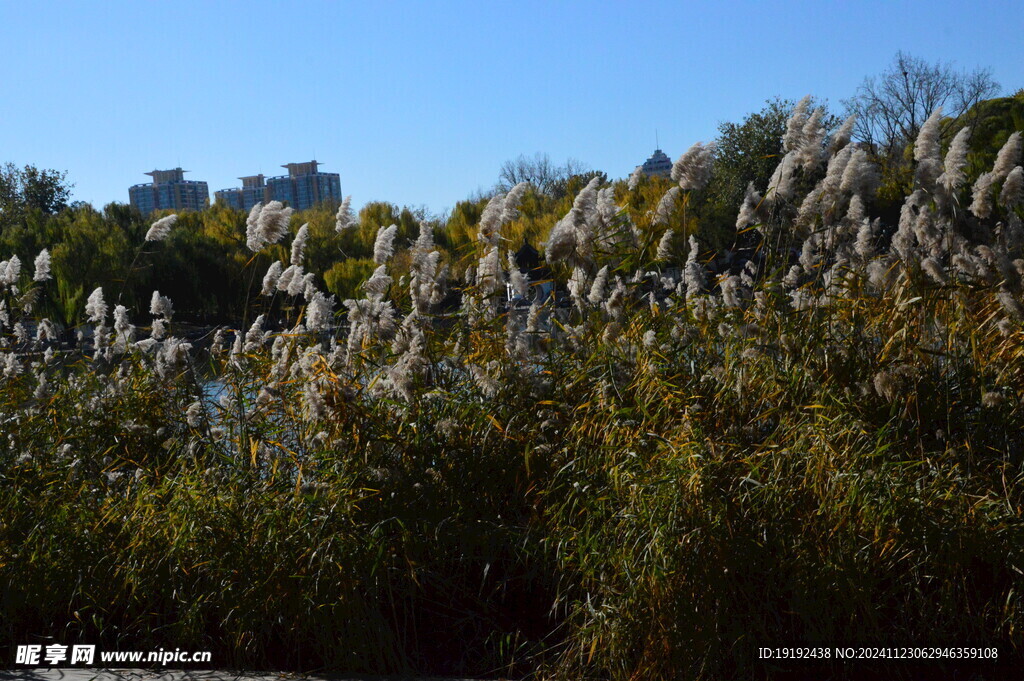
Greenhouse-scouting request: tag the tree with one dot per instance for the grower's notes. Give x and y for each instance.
(891, 107)
(29, 188)
(546, 177)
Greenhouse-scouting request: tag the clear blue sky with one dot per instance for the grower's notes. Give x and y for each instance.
(419, 103)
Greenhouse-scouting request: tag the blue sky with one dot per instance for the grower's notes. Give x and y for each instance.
(419, 103)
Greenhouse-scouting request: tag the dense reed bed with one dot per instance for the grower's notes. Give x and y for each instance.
(817, 441)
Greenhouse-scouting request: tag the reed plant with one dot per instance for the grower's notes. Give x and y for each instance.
(820, 442)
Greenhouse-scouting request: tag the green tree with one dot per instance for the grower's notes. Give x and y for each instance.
(29, 188)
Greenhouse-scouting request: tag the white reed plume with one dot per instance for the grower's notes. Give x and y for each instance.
(841, 137)
(285, 281)
(515, 277)
(1008, 156)
(299, 281)
(597, 289)
(865, 244)
(10, 270)
(252, 231)
(160, 306)
(953, 175)
(425, 241)
(254, 336)
(577, 286)
(42, 266)
(159, 329)
(319, 312)
(666, 206)
(161, 228)
(383, 247)
(634, 178)
(860, 176)
(378, 283)
(780, 186)
(561, 241)
(795, 125)
(981, 205)
(693, 272)
(490, 277)
(273, 222)
(512, 199)
(194, 414)
(46, 331)
(810, 152)
(748, 214)
(95, 307)
(299, 244)
(491, 219)
(123, 327)
(665, 245)
(271, 278)
(1012, 194)
(692, 169)
(345, 217)
(927, 150)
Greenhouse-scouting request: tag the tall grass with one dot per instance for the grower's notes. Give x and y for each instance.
(820, 443)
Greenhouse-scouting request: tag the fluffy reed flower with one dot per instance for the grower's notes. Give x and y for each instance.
(10, 270)
(810, 152)
(511, 204)
(489, 275)
(1008, 156)
(927, 151)
(561, 241)
(271, 278)
(285, 282)
(159, 329)
(1012, 194)
(42, 266)
(926, 147)
(273, 222)
(254, 336)
(634, 178)
(981, 204)
(122, 326)
(159, 230)
(692, 169)
(194, 414)
(597, 289)
(860, 176)
(842, 135)
(730, 285)
(299, 244)
(319, 312)
(665, 245)
(693, 272)
(748, 214)
(383, 247)
(953, 175)
(160, 306)
(378, 283)
(515, 277)
(46, 331)
(780, 186)
(491, 220)
(345, 218)
(95, 307)
(666, 206)
(793, 138)
(934, 270)
(577, 286)
(252, 232)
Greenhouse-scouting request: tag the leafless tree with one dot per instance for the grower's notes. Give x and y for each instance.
(538, 171)
(890, 108)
